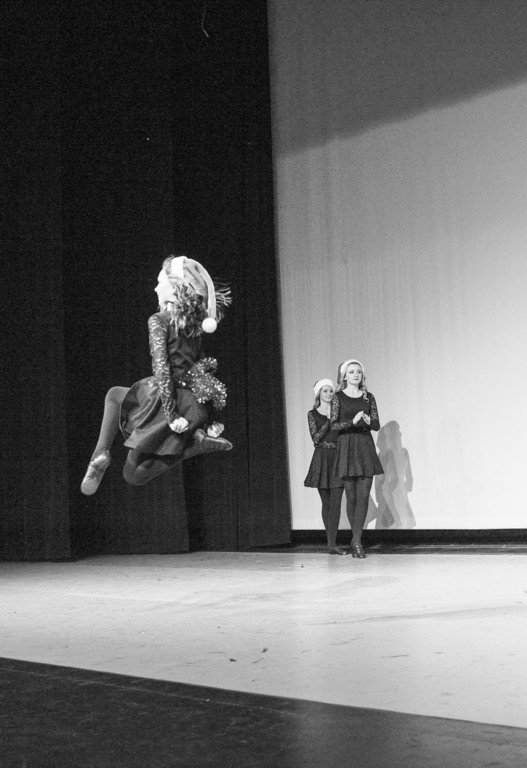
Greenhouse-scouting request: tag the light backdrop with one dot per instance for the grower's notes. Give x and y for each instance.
(400, 146)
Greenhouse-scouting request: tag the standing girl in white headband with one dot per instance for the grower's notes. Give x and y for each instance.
(169, 416)
(353, 416)
(320, 474)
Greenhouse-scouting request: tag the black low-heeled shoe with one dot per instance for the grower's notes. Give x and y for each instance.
(207, 444)
(357, 550)
(336, 551)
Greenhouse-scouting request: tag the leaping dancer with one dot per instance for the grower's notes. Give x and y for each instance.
(173, 414)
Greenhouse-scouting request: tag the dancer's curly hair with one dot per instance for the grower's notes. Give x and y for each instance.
(221, 289)
(187, 310)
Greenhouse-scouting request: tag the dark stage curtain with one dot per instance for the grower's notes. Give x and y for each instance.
(136, 129)
(224, 212)
(247, 346)
(117, 221)
(34, 521)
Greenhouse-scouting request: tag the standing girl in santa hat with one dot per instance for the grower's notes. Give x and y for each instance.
(353, 416)
(320, 474)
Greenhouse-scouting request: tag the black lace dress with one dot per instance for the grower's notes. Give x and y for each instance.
(320, 473)
(356, 455)
(152, 403)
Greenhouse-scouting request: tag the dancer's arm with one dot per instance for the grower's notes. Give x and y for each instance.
(157, 331)
(317, 434)
(337, 425)
(374, 424)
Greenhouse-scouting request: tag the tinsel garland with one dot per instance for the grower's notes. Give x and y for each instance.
(205, 386)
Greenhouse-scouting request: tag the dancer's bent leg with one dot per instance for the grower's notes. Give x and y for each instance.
(140, 468)
(101, 458)
(200, 442)
(110, 419)
(196, 414)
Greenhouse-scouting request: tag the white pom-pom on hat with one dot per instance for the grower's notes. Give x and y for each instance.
(209, 325)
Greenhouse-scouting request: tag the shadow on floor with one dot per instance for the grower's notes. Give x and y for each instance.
(54, 716)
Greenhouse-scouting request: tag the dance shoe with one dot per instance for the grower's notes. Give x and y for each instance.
(337, 551)
(94, 474)
(206, 444)
(358, 551)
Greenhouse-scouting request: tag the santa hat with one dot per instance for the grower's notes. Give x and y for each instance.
(191, 271)
(322, 383)
(342, 368)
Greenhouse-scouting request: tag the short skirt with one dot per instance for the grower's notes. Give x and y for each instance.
(321, 470)
(356, 456)
(144, 424)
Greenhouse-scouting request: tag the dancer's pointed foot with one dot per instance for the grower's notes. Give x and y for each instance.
(206, 444)
(94, 474)
(358, 551)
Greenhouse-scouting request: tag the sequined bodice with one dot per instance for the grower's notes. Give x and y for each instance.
(173, 355)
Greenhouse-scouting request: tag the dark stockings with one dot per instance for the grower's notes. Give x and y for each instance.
(139, 467)
(357, 499)
(331, 501)
(110, 419)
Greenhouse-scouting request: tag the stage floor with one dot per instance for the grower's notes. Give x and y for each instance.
(442, 635)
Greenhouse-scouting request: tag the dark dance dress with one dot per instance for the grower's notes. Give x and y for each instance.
(151, 404)
(320, 474)
(356, 455)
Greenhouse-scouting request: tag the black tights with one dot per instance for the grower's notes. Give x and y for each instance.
(139, 467)
(357, 499)
(331, 501)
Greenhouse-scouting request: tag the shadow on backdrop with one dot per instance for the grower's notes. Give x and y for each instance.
(369, 62)
(392, 489)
